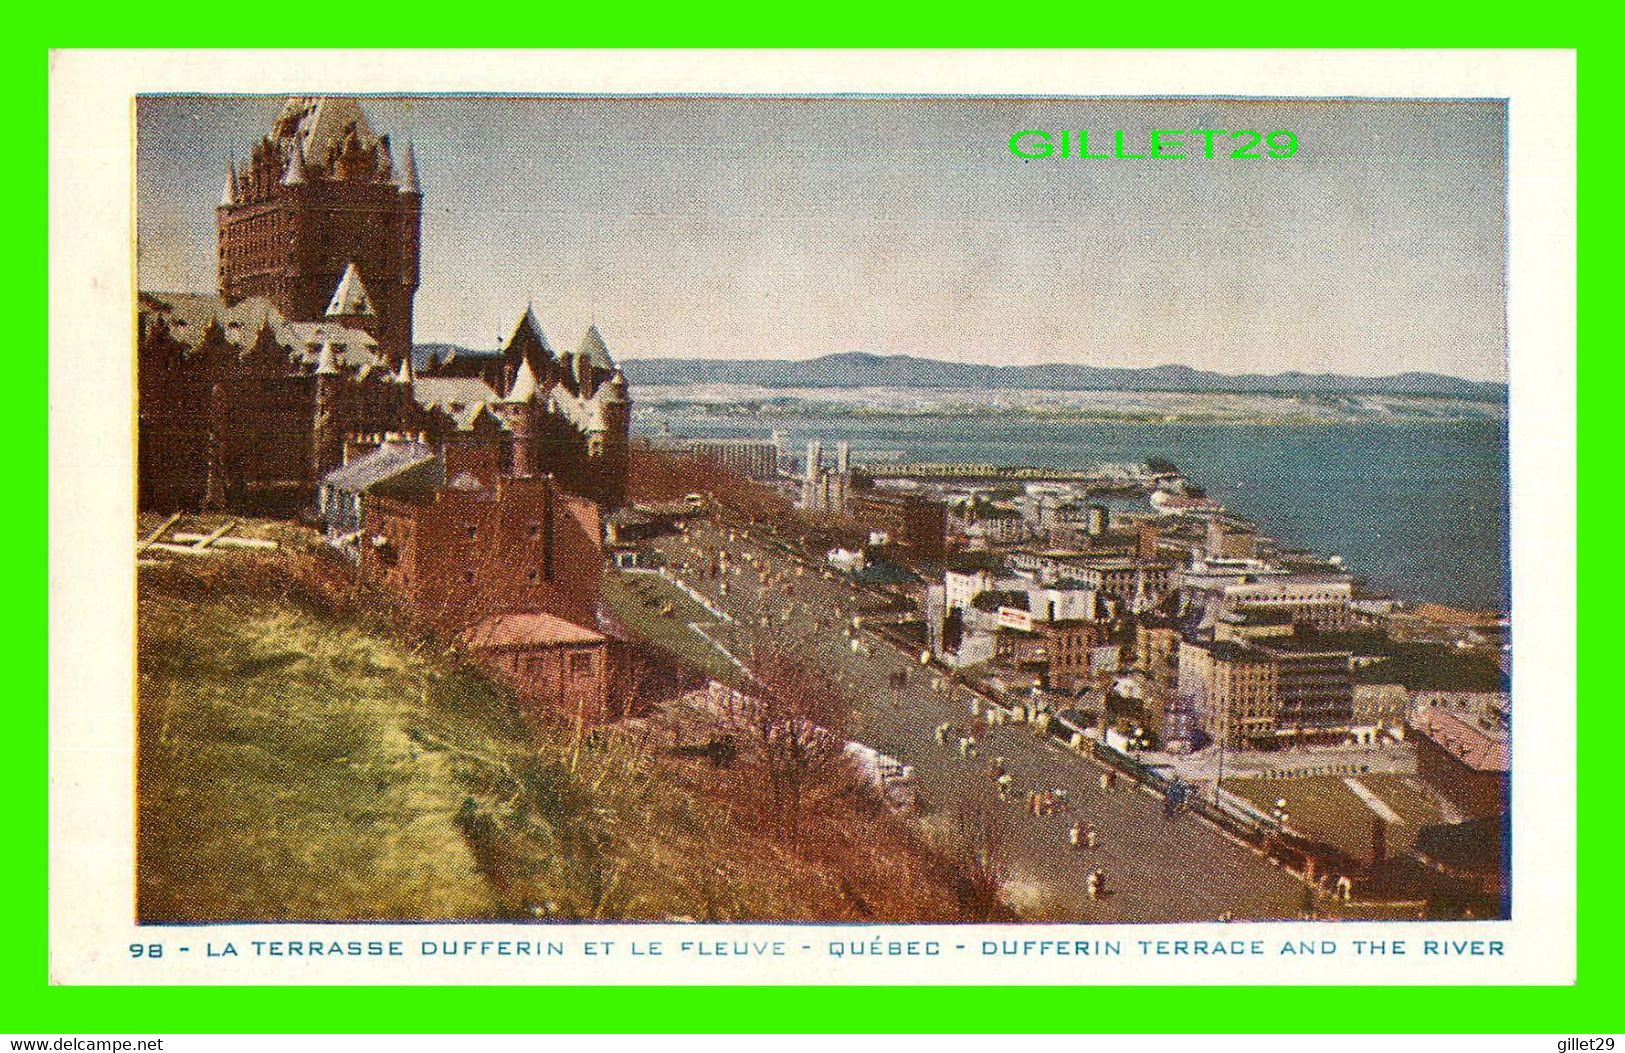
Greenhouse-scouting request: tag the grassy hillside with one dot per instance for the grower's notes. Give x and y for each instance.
(306, 756)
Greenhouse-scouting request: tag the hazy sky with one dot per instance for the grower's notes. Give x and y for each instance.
(798, 227)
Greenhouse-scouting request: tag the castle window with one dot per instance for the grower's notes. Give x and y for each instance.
(581, 664)
(532, 576)
(468, 577)
(473, 533)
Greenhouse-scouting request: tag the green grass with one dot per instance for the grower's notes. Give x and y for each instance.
(636, 600)
(296, 767)
(302, 758)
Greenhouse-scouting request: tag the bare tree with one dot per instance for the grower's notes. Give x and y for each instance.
(793, 721)
(984, 853)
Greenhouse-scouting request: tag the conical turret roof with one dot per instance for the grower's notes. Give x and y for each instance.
(528, 336)
(295, 174)
(228, 196)
(327, 364)
(525, 386)
(350, 299)
(594, 350)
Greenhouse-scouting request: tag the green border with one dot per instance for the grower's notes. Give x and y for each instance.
(29, 1004)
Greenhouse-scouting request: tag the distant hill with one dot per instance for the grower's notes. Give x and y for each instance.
(858, 369)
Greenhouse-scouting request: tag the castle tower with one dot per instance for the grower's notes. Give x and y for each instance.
(327, 449)
(525, 453)
(615, 414)
(316, 195)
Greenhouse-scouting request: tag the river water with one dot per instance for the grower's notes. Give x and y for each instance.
(1416, 507)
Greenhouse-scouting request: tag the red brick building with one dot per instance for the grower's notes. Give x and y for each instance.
(917, 523)
(485, 544)
(555, 666)
(1057, 650)
(237, 410)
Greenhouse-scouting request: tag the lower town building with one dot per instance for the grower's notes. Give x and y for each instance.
(989, 525)
(825, 490)
(1262, 693)
(1241, 626)
(1477, 852)
(967, 577)
(556, 667)
(1156, 651)
(1056, 652)
(1321, 600)
(1314, 685)
(1226, 540)
(1232, 691)
(918, 524)
(751, 458)
(1471, 726)
(1381, 706)
(1140, 583)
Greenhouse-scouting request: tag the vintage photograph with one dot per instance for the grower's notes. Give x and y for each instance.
(879, 509)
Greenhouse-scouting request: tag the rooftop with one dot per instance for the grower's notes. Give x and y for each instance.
(447, 392)
(992, 600)
(528, 629)
(1228, 650)
(387, 461)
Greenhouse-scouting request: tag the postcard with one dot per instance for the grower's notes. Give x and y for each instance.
(812, 518)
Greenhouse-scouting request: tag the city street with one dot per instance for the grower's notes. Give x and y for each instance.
(1155, 868)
